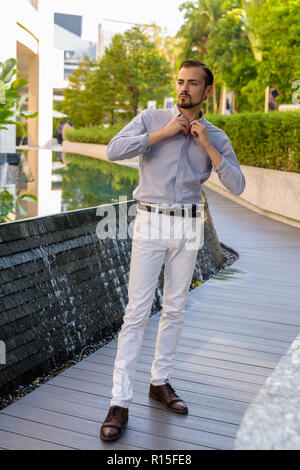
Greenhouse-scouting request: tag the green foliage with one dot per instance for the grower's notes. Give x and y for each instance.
(265, 140)
(78, 103)
(95, 134)
(10, 206)
(21, 129)
(232, 60)
(6, 205)
(10, 100)
(136, 69)
(277, 24)
(132, 71)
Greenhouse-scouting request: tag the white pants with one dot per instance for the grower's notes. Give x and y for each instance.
(147, 257)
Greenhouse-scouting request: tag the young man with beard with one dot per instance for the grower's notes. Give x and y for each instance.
(178, 150)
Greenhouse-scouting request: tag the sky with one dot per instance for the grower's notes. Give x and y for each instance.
(165, 13)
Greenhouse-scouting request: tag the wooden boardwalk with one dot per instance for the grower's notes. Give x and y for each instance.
(237, 327)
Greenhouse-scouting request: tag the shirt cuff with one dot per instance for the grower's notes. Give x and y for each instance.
(220, 167)
(144, 143)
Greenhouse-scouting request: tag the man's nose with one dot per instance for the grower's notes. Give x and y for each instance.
(184, 89)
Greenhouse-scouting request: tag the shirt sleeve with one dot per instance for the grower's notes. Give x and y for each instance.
(131, 141)
(229, 171)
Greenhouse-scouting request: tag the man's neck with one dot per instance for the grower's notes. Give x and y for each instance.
(191, 113)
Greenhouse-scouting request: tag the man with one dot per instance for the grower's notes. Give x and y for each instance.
(178, 150)
(273, 93)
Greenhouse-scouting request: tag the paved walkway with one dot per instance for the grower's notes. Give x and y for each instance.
(237, 327)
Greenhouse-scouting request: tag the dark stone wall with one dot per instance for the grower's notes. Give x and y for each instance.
(62, 288)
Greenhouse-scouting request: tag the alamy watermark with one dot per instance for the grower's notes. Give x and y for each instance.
(2, 352)
(152, 225)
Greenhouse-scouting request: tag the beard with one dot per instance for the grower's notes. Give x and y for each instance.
(188, 104)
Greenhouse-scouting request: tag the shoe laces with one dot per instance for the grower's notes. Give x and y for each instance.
(115, 411)
(170, 388)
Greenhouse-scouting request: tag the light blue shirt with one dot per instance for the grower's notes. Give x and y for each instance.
(173, 170)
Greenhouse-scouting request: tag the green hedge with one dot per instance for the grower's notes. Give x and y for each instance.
(94, 135)
(265, 140)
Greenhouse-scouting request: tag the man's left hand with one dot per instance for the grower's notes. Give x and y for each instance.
(199, 131)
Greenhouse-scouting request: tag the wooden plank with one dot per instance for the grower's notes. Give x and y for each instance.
(171, 436)
(242, 328)
(194, 361)
(15, 441)
(240, 296)
(203, 350)
(196, 387)
(105, 391)
(196, 309)
(49, 401)
(152, 409)
(194, 355)
(193, 368)
(241, 333)
(181, 375)
(54, 434)
(211, 337)
(143, 386)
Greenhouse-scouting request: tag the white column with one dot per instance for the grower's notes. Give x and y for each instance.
(8, 50)
(46, 55)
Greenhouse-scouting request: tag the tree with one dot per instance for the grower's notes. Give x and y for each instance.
(79, 104)
(168, 45)
(230, 53)
(276, 24)
(132, 71)
(200, 19)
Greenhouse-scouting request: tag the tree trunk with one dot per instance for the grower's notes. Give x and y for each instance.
(215, 104)
(136, 102)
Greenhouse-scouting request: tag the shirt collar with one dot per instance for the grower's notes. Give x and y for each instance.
(177, 111)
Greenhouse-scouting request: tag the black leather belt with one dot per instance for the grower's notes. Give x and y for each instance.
(191, 211)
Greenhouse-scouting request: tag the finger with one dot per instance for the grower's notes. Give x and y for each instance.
(186, 128)
(184, 123)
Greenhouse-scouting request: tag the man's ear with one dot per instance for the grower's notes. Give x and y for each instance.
(209, 92)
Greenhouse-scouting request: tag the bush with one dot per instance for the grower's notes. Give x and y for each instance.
(266, 140)
(94, 135)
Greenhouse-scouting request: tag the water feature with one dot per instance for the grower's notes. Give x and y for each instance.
(66, 182)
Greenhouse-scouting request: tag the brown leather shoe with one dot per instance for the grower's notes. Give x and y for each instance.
(167, 395)
(111, 428)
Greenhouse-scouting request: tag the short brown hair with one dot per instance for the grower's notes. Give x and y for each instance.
(209, 78)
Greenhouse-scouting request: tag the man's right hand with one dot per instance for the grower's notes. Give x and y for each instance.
(177, 124)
